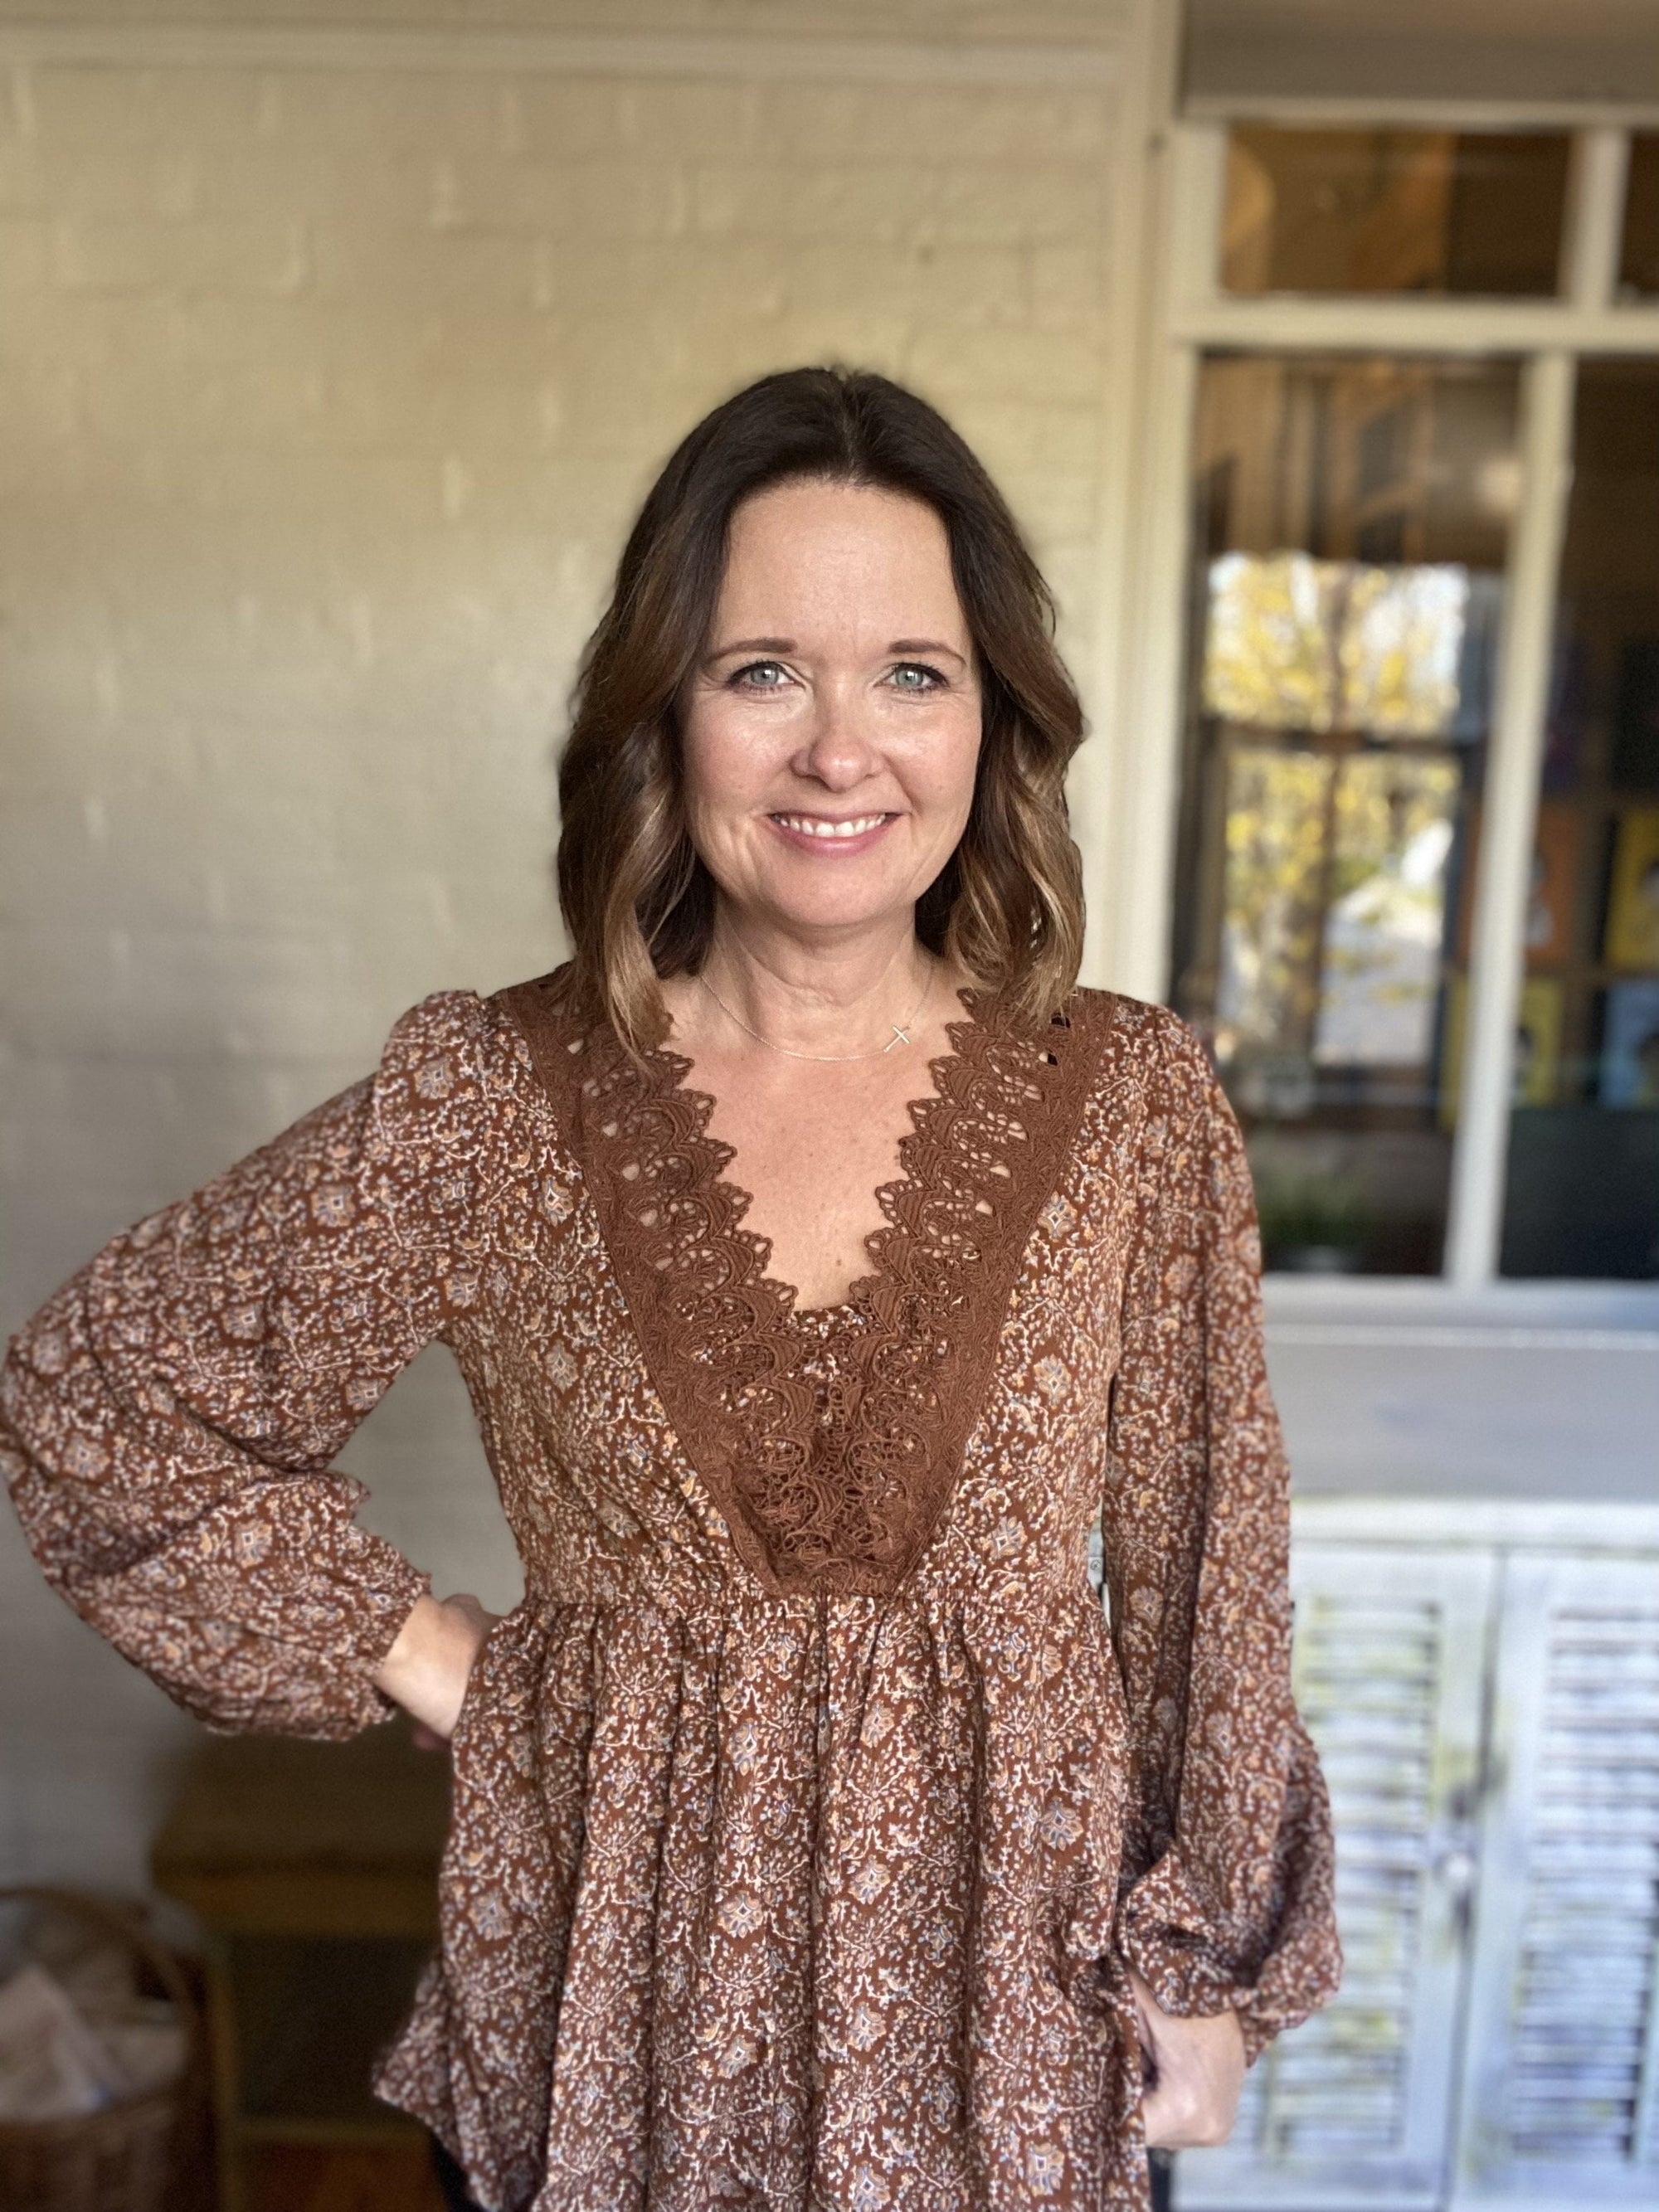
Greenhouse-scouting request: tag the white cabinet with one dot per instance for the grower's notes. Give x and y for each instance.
(1563, 2105)
(1483, 1684)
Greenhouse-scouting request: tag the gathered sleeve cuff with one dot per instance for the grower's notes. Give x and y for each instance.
(1229, 1857)
(1274, 1965)
(168, 1419)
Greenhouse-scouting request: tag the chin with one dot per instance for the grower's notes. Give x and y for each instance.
(838, 914)
(810, 898)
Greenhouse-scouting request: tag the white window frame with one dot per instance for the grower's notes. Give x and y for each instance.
(1186, 315)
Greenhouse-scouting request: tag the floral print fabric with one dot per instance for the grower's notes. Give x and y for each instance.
(808, 1808)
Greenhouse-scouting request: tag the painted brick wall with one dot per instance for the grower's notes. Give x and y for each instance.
(327, 394)
(1021, 22)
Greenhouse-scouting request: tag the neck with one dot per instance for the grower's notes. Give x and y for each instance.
(813, 999)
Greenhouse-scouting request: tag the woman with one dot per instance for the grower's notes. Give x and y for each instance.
(815, 1844)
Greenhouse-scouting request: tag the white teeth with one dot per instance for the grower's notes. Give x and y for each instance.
(809, 825)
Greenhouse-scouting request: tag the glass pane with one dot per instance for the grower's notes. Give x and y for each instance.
(1393, 211)
(1638, 263)
(1349, 535)
(1584, 1175)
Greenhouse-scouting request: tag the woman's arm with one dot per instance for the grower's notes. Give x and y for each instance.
(1226, 1912)
(169, 1420)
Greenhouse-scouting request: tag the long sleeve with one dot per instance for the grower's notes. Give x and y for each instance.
(1229, 1860)
(167, 1420)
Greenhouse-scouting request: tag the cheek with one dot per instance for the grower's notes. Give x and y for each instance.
(702, 751)
(720, 764)
(944, 770)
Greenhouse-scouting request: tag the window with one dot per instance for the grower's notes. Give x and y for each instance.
(1582, 1195)
(1416, 851)
(1639, 260)
(1394, 211)
(1351, 532)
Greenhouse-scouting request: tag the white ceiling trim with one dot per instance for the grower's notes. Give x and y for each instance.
(1591, 55)
(763, 59)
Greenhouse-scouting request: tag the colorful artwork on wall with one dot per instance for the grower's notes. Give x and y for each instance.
(1630, 1044)
(1633, 937)
(1552, 891)
(1537, 1045)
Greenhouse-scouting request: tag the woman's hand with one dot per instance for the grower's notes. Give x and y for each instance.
(1193, 2071)
(427, 1669)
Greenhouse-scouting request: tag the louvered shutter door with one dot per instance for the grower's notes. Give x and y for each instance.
(1562, 2107)
(1354, 2108)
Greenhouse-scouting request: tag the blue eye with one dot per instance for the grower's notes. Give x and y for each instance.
(916, 675)
(761, 675)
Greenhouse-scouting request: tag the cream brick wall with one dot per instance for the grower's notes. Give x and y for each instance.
(1027, 23)
(327, 392)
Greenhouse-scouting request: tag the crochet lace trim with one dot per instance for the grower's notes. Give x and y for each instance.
(830, 1440)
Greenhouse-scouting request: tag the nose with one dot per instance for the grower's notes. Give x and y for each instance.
(839, 750)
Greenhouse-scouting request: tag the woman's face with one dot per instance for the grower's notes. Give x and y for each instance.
(831, 730)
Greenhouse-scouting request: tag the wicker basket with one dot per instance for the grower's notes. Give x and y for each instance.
(120, 2158)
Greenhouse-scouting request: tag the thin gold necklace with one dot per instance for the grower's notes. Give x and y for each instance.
(901, 1030)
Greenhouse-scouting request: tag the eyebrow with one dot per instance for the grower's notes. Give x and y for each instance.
(787, 645)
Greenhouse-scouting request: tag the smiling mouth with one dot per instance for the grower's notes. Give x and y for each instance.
(820, 825)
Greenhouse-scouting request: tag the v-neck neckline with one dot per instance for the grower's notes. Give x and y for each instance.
(823, 1484)
(674, 1069)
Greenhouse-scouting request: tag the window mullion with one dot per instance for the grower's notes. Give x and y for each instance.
(1510, 813)
(1198, 155)
(1184, 194)
(1403, 324)
(1595, 219)
(1150, 771)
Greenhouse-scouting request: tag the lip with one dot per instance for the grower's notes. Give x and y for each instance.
(844, 844)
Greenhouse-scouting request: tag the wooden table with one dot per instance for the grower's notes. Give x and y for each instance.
(313, 1870)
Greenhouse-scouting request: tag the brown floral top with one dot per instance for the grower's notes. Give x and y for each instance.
(807, 1807)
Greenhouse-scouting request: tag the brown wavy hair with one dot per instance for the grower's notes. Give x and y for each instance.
(637, 901)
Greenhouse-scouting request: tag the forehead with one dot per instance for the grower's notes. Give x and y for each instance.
(839, 548)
